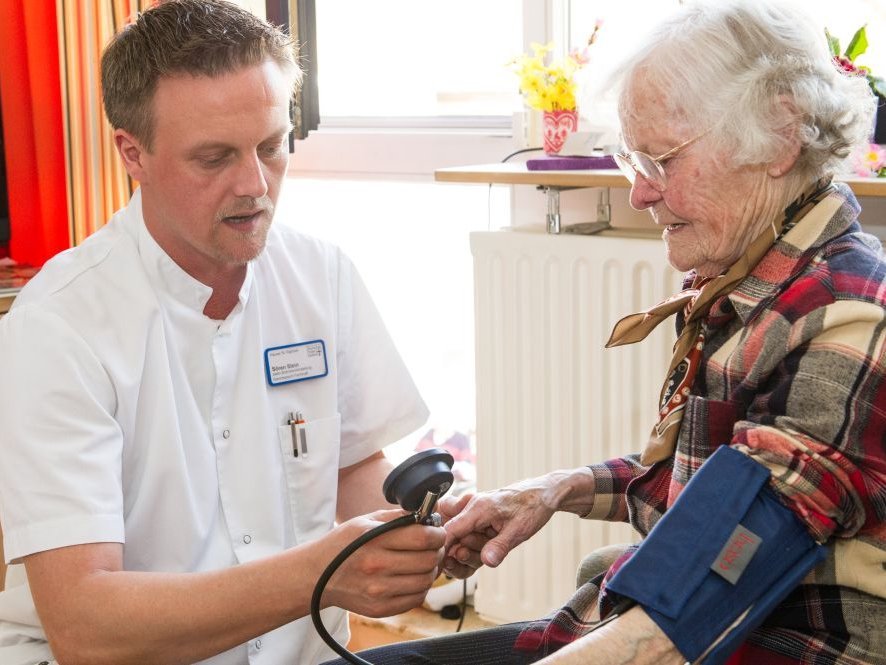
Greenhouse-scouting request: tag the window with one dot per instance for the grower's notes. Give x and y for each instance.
(406, 59)
(409, 241)
(407, 87)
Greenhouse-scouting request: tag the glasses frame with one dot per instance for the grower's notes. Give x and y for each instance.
(627, 163)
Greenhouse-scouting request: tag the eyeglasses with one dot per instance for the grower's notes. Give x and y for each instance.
(651, 168)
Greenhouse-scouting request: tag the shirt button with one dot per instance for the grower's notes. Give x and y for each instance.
(247, 539)
(258, 644)
(227, 434)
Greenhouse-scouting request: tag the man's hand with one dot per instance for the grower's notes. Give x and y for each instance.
(95, 612)
(389, 574)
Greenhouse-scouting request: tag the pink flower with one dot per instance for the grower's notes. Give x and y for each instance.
(581, 57)
(870, 160)
(850, 67)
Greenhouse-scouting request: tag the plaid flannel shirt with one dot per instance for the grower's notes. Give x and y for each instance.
(793, 374)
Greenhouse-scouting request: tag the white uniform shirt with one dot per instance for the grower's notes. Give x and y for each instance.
(129, 416)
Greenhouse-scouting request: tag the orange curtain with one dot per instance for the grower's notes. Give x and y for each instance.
(32, 130)
(64, 178)
(97, 182)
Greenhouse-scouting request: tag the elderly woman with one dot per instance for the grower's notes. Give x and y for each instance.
(761, 493)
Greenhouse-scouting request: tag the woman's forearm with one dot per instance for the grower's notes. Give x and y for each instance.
(631, 638)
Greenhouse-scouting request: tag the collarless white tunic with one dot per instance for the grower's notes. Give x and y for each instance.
(129, 416)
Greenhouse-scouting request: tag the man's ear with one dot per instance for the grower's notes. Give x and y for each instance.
(786, 159)
(133, 154)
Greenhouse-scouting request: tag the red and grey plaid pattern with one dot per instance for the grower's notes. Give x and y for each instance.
(793, 373)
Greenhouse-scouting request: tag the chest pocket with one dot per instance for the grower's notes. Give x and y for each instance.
(312, 476)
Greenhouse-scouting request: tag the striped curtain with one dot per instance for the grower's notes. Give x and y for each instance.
(32, 136)
(65, 178)
(97, 183)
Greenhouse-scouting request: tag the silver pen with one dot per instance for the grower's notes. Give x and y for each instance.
(295, 423)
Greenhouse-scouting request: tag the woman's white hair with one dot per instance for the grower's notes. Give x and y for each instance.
(758, 73)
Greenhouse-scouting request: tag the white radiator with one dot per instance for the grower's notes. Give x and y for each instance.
(549, 396)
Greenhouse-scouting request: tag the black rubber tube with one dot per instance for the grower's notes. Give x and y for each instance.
(358, 542)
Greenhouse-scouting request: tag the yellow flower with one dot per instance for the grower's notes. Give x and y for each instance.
(548, 87)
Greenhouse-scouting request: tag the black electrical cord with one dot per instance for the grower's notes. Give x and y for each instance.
(520, 152)
(358, 542)
(464, 603)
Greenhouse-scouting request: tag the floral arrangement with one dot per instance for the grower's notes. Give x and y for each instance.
(868, 160)
(551, 86)
(846, 60)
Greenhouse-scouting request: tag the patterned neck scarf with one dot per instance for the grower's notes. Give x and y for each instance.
(695, 302)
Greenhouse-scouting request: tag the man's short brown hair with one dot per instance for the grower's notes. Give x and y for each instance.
(196, 37)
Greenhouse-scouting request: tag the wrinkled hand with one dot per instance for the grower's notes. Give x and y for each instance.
(484, 528)
(389, 574)
(462, 558)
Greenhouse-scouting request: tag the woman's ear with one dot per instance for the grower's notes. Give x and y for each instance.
(132, 152)
(785, 160)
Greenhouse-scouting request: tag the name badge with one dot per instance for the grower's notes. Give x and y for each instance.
(296, 362)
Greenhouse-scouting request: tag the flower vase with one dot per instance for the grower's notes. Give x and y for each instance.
(557, 125)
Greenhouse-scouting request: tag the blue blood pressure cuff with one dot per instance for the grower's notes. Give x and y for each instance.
(719, 560)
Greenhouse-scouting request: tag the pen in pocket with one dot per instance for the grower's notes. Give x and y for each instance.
(297, 424)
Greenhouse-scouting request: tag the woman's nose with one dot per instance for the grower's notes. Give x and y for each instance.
(643, 194)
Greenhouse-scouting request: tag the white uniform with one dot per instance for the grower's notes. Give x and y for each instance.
(128, 416)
